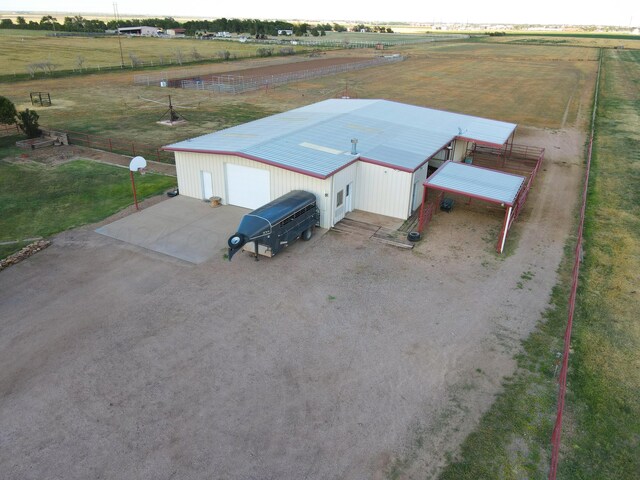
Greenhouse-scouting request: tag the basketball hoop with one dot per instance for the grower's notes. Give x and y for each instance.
(137, 164)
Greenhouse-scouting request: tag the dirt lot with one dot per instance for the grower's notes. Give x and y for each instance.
(339, 358)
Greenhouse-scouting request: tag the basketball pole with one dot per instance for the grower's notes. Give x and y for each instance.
(133, 185)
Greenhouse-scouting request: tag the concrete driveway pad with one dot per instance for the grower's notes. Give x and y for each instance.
(181, 227)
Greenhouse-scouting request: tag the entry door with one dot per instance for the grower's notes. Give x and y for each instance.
(207, 184)
(339, 212)
(348, 198)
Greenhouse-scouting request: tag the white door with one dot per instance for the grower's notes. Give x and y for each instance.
(207, 184)
(348, 198)
(339, 212)
(247, 187)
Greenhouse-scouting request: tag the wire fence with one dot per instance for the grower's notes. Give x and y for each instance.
(9, 130)
(124, 147)
(562, 379)
(239, 84)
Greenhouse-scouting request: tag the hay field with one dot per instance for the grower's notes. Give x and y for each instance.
(529, 85)
(21, 48)
(575, 40)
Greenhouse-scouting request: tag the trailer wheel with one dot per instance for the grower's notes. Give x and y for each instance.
(306, 235)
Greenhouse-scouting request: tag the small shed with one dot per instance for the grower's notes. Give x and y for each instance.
(491, 186)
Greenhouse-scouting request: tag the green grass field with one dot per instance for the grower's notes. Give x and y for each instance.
(603, 422)
(38, 200)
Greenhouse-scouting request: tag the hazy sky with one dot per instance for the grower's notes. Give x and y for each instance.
(578, 12)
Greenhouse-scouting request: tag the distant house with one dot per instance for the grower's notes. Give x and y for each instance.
(176, 32)
(285, 32)
(223, 35)
(139, 31)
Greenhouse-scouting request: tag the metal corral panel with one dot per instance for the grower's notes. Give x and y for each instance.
(189, 165)
(316, 140)
(383, 190)
(489, 185)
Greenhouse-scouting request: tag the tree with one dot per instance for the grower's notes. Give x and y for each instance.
(28, 123)
(7, 111)
(48, 19)
(21, 21)
(6, 23)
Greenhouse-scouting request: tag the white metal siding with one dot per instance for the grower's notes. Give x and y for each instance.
(459, 150)
(383, 190)
(417, 189)
(189, 165)
(340, 181)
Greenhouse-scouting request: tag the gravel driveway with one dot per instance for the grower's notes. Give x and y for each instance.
(329, 361)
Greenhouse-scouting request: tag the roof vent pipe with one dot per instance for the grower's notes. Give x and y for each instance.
(354, 143)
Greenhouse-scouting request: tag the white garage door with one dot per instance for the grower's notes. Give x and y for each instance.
(247, 187)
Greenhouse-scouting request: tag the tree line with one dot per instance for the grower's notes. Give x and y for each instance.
(80, 24)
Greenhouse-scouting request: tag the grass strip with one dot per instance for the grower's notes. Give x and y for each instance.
(38, 200)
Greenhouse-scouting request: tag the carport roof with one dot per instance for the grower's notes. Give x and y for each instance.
(477, 182)
(316, 139)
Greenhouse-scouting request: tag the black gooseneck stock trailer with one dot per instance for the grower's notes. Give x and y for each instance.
(277, 224)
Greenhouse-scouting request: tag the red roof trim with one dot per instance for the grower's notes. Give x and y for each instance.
(388, 165)
(481, 142)
(257, 159)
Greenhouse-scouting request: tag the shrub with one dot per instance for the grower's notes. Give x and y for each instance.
(28, 123)
(7, 111)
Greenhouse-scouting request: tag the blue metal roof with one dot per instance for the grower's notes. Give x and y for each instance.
(316, 139)
(490, 185)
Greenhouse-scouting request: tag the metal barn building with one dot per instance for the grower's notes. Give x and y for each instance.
(370, 155)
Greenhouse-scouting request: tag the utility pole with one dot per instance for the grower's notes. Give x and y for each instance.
(117, 18)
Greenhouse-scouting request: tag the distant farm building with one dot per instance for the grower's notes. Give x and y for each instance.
(139, 31)
(285, 32)
(176, 32)
(370, 155)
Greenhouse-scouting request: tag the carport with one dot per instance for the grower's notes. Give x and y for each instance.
(503, 189)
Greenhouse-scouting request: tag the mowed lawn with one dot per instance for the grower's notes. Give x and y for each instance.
(38, 200)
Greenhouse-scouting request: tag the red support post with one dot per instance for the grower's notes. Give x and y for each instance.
(422, 212)
(133, 186)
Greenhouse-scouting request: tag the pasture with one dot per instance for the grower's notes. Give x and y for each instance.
(22, 48)
(462, 77)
